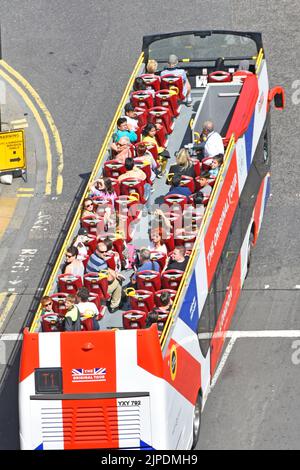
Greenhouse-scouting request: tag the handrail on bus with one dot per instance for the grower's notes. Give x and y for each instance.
(100, 157)
(189, 267)
(259, 60)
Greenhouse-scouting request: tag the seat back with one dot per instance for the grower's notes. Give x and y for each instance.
(197, 166)
(69, 283)
(176, 199)
(58, 300)
(113, 169)
(142, 99)
(168, 99)
(186, 239)
(145, 167)
(51, 322)
(219, 76)
(133, 185)
(160, 257)
(134, 319)
(161, 115)
(142, 300)
(148, 280)
(151, 80)
(142, 116)
(116, 185)
(241, 75)
(171, 279)
(157, 295)
(188, 182)
(172, 81)
(92, 223)
(97, 283)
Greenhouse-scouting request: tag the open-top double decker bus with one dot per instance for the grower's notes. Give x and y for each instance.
(125, 385)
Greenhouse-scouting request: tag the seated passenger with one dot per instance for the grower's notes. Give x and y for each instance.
(212, 141)
(205, 186)
(121, 149)
(166, 305)
(156, 241)
(72, 264)
(104, 189)
(131, 117)
(177, 189)
(133, 171)
(152, 66)
(178, 260)
(216, 165)
(140, 85)
(87, 308)
(123, 131)
(174, 70)
(88, 207)
(145, 264)
(47, 305)
(72, 317)
(147, 156)
(79, 242)
(148, 136)
(184, 165)
(98, 263)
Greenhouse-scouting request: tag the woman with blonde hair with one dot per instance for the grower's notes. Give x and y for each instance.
(184, 165)
(152, 66)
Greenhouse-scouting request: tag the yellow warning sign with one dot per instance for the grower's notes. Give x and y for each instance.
(12, 150)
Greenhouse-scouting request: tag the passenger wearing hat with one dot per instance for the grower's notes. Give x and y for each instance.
(174, 70)
(79, 242)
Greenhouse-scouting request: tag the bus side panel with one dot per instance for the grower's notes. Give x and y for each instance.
(261, 107)
(260, 205)
(226, 315)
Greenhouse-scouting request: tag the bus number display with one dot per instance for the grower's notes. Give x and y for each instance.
(48, 380)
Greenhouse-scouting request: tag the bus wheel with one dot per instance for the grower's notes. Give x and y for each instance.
(249, 252)
(197, 421)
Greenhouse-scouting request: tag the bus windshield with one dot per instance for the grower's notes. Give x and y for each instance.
(203, 46)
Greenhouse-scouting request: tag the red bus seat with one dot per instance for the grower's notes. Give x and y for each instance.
(187, 240)
(97, 283)
(219, 76)
(113, 169)
(151, 80)
(101, 204)
(92, 223)
(51, 322)
(206, 163)
(148, 280)
(161, 136)
(145, 167)
(142, 116)
(157, 295)
(153, 149)
(128, 205)
(171, 279)
(176, 200)
(168, 99)
(58, 300)
(172, 81)
(197, 166)
(116, 186)
(161, 115)
(188, 182)
(141, 300)
(69, 283)
(91, 243)
(142, 99)
(159, 257)
(133, 185)
(134, 319)
(241, 75)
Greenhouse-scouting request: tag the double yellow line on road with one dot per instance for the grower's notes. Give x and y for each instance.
(44, 110)
(5, 311)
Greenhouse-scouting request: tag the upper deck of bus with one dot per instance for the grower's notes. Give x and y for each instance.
(229, 104)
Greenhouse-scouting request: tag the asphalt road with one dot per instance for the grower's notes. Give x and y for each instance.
(78, 55)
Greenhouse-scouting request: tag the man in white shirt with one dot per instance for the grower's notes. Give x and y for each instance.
(130, 115)
(213, 143)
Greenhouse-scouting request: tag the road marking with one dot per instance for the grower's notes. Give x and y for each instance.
(7, 308)
(222, 362)
(25, 195)
(264, 334)
(8, 206)
(11, 337)
(26, 189)
(40, 124)
(54, 130)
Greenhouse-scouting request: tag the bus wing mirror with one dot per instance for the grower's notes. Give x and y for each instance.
(277, 93)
